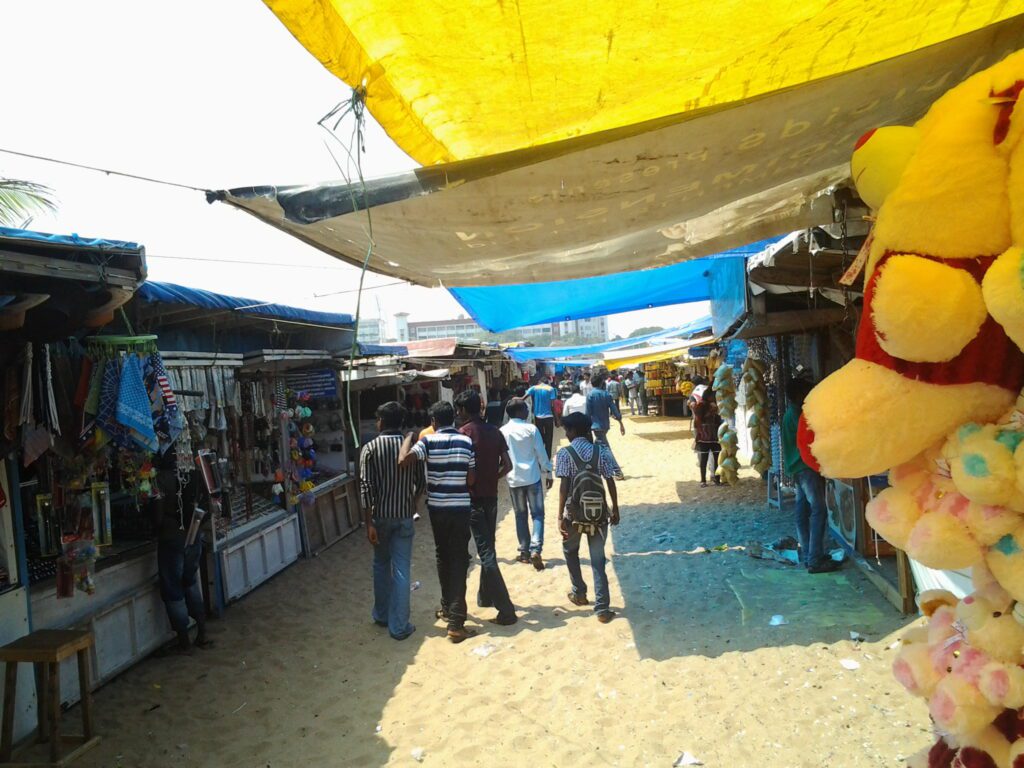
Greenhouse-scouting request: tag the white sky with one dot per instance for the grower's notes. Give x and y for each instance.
(214, 94)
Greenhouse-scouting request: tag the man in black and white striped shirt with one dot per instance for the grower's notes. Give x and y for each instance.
(389, 494)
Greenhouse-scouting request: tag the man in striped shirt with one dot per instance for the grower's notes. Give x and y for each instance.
(389, 494)
(451, 469)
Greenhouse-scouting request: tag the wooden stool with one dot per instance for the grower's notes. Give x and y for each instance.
(46, 649)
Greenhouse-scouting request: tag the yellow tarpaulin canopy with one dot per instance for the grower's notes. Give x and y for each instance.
(652, 354)
(465, 79)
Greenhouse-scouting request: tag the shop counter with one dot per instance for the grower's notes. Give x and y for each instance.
(126, 616)
(253, 550)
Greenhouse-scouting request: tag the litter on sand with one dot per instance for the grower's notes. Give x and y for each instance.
(857, 637)
(418, 753)
(485, 650)
(778, 620)
(686, 758)
(849, 664)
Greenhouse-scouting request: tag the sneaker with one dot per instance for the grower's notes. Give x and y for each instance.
(458, 634)
(537, 561)
(825, 565)
(406, 634)
(605, 616)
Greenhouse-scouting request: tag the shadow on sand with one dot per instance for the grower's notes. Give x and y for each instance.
(682, 597)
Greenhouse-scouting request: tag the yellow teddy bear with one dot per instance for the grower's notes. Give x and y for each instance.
(943, 321)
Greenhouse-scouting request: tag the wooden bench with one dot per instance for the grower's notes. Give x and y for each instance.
(46, 649)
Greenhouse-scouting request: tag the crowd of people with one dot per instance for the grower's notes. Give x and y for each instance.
(472, 445)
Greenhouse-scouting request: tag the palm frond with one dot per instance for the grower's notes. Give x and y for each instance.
(19, 200)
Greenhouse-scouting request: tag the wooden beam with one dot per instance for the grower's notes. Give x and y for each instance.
(794, 321)
(51, 266)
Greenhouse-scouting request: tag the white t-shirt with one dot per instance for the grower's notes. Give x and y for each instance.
(575, 404)
(585, 388)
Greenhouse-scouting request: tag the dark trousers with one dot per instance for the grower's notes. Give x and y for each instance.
(177, 574)
(451, 543)
(704, 452)
(484, 523)
(546, 427)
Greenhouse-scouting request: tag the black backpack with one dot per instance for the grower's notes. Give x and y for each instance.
(588, 509)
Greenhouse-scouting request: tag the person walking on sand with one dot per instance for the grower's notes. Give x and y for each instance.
(706, 421)
(584, 510)
(492, 463)
(613, 387)
(541, 396)
(451, 470)
(810, 486)
(531, 466)
(575, 403)
(389, 494)
(586, 384)
(632, 395)
(601, 408)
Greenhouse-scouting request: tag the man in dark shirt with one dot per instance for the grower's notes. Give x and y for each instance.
(494, 413)
(492, 463)
(178, 561)
(389, 493)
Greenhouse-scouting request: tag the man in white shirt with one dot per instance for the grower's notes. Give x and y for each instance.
(531, 464)
(586, 385)
(575, 403)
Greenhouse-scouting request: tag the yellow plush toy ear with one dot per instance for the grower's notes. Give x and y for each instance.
(879, 159)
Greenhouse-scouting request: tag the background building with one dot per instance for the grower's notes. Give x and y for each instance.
(466, 329)
(372, 330)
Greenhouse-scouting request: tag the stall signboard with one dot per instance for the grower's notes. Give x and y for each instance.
(320, 382)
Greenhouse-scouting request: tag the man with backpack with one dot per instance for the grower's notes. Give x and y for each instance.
(585, 468)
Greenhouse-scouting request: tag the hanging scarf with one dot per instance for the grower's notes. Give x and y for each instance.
(133, 405)
(106, 413)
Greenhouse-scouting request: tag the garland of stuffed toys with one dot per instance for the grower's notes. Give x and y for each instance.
(937, 386)
(760, 425)
(725, 394)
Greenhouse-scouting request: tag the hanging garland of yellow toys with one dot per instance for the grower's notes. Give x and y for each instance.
(725, 392)
(757, 401)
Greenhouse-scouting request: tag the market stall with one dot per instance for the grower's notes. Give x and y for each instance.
(78, 432)
(263, 384)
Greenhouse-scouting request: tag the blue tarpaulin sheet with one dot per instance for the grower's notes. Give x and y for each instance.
(522, 354)
(68, 241)
(168, 293)
(371, 350)
(502, 307)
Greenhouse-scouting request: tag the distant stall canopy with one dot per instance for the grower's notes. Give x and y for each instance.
(652, 354)
(562, 145)
(502, 307)
(168, 293)
(523, 354)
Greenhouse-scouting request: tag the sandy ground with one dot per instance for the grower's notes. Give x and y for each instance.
(300, 676)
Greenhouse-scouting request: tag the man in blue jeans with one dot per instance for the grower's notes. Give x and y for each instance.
(542, 395)
(811, 524)
(530, 465)
(581, 451)
(602, 408)
(389, 494)
(178, 562)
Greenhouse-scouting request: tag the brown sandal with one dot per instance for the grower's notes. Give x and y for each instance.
(577, 600)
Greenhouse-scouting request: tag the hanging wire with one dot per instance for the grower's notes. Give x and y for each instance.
(356, 107)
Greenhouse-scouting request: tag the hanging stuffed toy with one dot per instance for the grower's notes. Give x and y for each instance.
(944, 300)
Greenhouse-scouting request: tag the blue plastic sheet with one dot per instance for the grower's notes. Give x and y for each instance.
(502, 307)
(68, 241)
(168, 293)
(522, 354)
